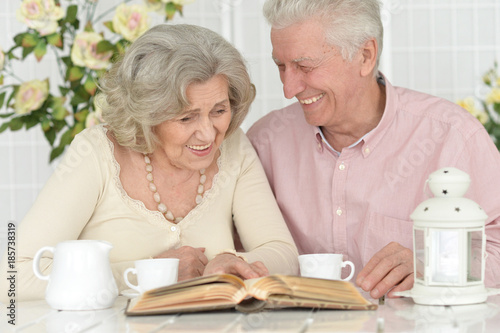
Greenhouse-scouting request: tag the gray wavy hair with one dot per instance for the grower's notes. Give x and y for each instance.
(349, 23)
(148, 85)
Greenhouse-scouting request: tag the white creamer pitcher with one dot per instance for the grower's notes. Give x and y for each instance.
(81, 277)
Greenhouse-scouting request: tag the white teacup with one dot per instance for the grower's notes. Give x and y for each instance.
(153, 273)
(324, 266)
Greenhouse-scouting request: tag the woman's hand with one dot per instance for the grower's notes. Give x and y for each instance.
(226, 263)
(192, 261)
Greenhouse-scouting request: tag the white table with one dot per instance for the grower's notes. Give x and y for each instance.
(396, 315)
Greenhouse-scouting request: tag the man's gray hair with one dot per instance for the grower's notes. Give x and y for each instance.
(348, 23)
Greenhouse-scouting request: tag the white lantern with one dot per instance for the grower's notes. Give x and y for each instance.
(449, 244)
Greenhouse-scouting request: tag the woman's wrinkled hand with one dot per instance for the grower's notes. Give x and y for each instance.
(192, 261)
(226, 263)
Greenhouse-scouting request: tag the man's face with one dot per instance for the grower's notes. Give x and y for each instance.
(315, 73)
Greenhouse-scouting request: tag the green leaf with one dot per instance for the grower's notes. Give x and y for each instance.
(77, 129)
(4, 126)
(64, 91)
(90, 85)
(71, 13)
(122, 45)
(81, 96)
(82, 115)
(170, 10)
(67, 61)
(6, 115)
(27, 51)
(56, 152)
(66, 138)
(18, 39)
(50, 134)
(75, 73)
(40, 50)
(57, 101)
(55, 39)
(105, 46)
(31, 121)
(109, 25)
(30, 40)
(88, 27)
(16, 123)
(1, 83)
(2, 99)
(59, 124)
(60, 112)
(496, 107)
(45, 125)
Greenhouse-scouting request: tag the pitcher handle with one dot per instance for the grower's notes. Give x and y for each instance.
(36, 262)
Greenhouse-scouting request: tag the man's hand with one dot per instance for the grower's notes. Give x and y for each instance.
(231, 264)
(192, 261)
(390, 269)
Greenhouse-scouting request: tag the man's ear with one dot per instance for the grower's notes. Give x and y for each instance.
(369, 52)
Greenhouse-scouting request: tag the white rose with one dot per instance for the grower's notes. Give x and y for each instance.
(493, 96)
(30, 96)
(179, 2)
(92, 119)
(83, 52)
(131, 21)
(41, 15)
(153, 5)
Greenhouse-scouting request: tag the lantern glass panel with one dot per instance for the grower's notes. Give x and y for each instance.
(446, 263)
(474, 258)
(419, 238)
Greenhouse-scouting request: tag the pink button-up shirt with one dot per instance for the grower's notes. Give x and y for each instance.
(357, 202)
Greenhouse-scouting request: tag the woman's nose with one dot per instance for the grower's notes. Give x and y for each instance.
(206, 130)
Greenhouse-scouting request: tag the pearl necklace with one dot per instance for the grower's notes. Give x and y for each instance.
(162, 208)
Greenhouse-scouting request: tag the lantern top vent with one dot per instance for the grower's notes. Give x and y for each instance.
(448, 185)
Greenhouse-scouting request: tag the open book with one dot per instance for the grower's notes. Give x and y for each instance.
(225, 291)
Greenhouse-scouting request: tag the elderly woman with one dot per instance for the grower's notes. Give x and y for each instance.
(170, 174)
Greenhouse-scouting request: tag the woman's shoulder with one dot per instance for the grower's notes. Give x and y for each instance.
(238, 142)
(91, 141)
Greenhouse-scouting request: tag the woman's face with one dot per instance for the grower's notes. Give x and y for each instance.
(191, 141)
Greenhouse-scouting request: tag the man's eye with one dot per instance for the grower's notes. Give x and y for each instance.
(305, 68)
(185, 119)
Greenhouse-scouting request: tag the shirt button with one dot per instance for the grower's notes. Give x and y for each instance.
(173, 228)
(339, 212)
(342, 166)
(367, 150)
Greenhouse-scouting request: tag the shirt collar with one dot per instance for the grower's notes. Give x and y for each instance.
(371, 139)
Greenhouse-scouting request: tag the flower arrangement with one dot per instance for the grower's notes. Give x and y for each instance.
(487, 108)
(82, 54)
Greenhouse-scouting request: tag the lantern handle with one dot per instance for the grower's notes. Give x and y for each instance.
(426, 195)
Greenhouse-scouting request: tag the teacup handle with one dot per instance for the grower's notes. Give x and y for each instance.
(127, 282)
(36, 262)
(348, 263)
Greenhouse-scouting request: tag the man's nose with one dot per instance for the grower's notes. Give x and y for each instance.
(292, 83)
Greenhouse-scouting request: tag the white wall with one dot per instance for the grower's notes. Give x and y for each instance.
(437, 46)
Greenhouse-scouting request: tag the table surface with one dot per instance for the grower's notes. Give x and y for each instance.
(395, 315)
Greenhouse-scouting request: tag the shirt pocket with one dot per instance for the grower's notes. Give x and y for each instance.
(381, 230)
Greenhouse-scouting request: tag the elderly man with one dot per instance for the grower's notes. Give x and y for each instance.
(348, 161)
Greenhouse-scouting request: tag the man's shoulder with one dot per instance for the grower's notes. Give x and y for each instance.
(279, 124)
(436, 109)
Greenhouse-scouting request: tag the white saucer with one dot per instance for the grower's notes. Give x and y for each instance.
(130, 293)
